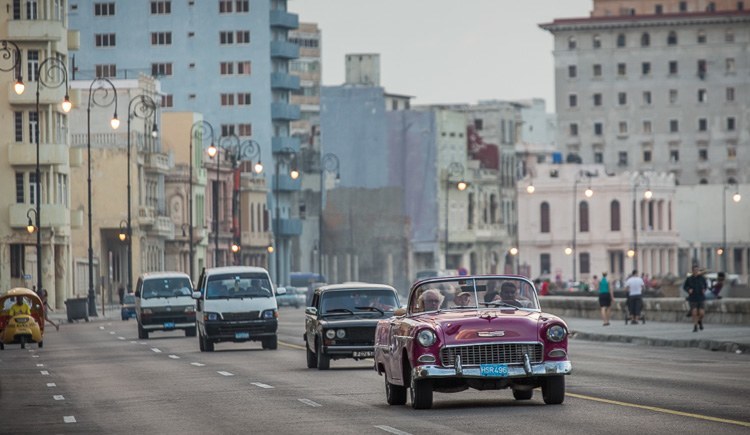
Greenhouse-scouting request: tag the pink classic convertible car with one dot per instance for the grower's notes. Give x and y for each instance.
(483, 332)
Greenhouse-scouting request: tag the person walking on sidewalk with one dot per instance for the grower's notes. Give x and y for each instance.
(634, 285)
(44, 295)
(695, 285)
(606, 296)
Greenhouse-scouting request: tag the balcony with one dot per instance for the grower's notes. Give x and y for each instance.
(146, 216)
(284, 50)
(156, 162)
(288, 227)
(163, 227)
(280, 80)
(284, 143)
(37, 30)
(53, 216)
(22, 154)
(284, 112)
(284, 19)
(286, 184)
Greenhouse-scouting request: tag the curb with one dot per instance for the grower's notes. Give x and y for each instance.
(713, 345)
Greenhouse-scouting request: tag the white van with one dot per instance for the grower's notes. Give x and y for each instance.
(238, 304)
(163, 303)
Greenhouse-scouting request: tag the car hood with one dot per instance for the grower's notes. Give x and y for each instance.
(467, 327)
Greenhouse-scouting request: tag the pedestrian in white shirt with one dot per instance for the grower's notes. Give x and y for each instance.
(634, 285)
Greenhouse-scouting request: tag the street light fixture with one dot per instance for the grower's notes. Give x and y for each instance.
(124, 233)
(288, 156)
(30, 227)
(14, 53)
(199, 130)
(329, 163)
(736, 197)
(144, 107)
(588, 193)
(454, 169)
(104, 95)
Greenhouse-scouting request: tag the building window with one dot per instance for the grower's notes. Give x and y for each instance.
(621, 69)
(729, 35)
(672, 38)
(730, 94)
(243, 68)
(585, 262)
(167, 100)
(244, 99)
(32, 64)
(701, 39)
(18, 126)
(572, 43)
(683, 7)
(674, 126)
(674, 156)
(17, 260)
(243, 36)
(730, 123)
(596, 41)
(227, 129)
(597, 70)
(702, 70)
(20, 188)
(583, 217)
(109, 71)
(646, 156)
(659, 9)
(544, 217)
(545, 263)
(647, 127)
(573, 100)
(621, 40)
(646, 68)
(647, 98)
(161, 38)
(598, 128)
(33, 126)
(597, 99)
(598, 157)
(702, 124)
(104, 40)
(225, 6)
(731, 153)
(574, 129)
(673, 68)
(243, 5)
(702, 155)
(227, 99)
(161, 7)
(702, 96)
(32, 188)
(622, 158)
(622, 98)
(673, 96)
(161, 69)
(572, 71)
(104, 9)
(245, 129)
(729, 62)
(622, 127)
(645, 40)
(226, 38)
(614, 215)
(226, 68)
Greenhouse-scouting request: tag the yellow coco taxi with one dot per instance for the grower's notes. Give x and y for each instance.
(21, 323)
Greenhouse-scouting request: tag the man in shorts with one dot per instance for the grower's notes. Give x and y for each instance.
(695, 285)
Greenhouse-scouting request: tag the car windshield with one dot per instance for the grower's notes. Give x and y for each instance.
(474, 293)
(166, 288)
(358, 301)
(128, 300)
(238, 286)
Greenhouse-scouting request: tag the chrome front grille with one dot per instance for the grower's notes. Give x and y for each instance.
(239, 317)
(500, 353)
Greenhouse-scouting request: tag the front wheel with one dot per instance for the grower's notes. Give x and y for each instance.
(312, 360)
(271, 343)
(23, 342)
(190, 332)
(553, 390)
(41, 344)
(394, 394)
(324, 361)
(421, 394)
(142, 333)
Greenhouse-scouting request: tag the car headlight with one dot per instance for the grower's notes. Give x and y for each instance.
(190, 309)
(146, 311)
(341, 333)
(426, 337)
(330, 334)
(210, 316)
(269, 314)
(556, 333)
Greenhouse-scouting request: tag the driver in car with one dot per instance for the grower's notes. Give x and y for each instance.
(509, 295)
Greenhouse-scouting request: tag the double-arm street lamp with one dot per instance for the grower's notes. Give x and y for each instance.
(144, 107)
(736, 197)
(102, 93)
(588, 193)
(647, 194)
(288, 157)
(246, 150)
(225, 143)
(198, 131)
(10, 54)
(454, 169)
(329, 163)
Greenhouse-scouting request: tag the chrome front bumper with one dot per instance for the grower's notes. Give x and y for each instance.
(524, 371)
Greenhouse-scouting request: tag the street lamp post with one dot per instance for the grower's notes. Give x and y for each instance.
(247, 150)
(329, 163)
(215, 151)
(455, 168)
(144, 107)
(199, 130)
(287, 155)
(648, 194)
(101, 97)
(589, 193)
(51, 74)
(736, 197)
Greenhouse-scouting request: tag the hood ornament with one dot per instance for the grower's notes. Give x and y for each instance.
(491, 333)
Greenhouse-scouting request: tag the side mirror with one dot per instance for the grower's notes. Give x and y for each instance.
(311, 311)
(280, 291)
(400, 312)
(196, 294)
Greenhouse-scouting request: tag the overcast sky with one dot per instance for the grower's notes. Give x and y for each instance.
(445, 51)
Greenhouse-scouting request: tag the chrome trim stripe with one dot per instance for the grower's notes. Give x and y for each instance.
(542, 369)
(482, 343)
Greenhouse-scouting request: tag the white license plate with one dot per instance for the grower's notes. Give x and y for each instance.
(363, 354)
(500, 370)
(241, 335)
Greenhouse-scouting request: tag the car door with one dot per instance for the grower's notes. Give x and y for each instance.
(311, 323)
(395, 347)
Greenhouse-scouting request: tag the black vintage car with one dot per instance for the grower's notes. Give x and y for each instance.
(341, 321)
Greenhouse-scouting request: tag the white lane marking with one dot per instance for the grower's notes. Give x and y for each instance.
(51, 384)
(310, 402)
(102, 328)
(225, 373)
(142, 342)
(392, 430)
(121, 338)
(174, 356)
(112, 332)
(197, 364)
(156, 350)
(40, 365)
(69, 419)
(261, 385)
(33, 356)
(133, 342)
(44, 373)
(58, 397)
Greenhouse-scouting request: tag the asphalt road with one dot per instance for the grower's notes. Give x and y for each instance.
(98, 377)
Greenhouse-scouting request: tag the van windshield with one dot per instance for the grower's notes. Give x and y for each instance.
(238, 285)
(166, 288)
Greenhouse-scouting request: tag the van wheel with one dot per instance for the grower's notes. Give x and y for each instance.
(142, 333)
(271, 343)
(201, 344)
(324, 361)
(206, 345)
(41, 344)
(190, 332)
(23, 342)
(312, 360)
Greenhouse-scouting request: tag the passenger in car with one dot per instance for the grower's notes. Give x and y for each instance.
(429, 300)
(462, 299)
